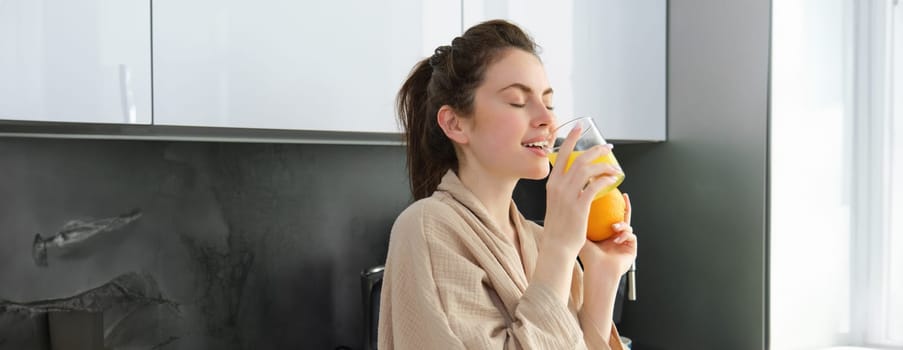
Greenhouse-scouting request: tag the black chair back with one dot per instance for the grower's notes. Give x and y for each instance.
(371, 286)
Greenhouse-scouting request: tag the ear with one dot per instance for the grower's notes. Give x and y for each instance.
(452, 124)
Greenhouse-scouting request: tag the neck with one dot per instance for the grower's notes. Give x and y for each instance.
(494, 192)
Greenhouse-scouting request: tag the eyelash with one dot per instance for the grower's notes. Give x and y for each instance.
(524, 105)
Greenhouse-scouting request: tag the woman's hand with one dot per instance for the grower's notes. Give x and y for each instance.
(611, 257)
(569, 193)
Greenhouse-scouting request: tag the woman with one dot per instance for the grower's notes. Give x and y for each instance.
(465, 270)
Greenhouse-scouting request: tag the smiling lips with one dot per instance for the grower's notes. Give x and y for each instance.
(537, 147)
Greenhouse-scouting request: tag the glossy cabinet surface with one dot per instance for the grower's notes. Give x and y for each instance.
(333, 66)
(284, 65)
(605, 59)
(75, 61)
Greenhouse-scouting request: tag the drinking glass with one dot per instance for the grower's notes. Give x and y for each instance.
(589, 137)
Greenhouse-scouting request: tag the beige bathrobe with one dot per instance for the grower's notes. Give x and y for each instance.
(453, 282)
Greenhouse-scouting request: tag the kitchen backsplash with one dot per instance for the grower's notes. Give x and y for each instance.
(193, 245)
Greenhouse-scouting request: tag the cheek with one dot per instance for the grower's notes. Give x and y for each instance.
(505, 133)
(499, 125)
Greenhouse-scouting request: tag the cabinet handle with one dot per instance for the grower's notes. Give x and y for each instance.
(126, 95)
(631, 282)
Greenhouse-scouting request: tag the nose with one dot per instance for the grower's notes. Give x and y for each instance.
(543, 118)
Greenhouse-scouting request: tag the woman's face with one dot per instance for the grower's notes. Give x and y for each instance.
(512, 117)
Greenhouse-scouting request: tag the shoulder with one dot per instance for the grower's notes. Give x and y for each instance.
(427, 216)
(426, 227)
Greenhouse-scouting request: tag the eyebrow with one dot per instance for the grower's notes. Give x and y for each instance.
(525, 88)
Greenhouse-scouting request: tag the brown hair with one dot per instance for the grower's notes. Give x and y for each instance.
(450, 77)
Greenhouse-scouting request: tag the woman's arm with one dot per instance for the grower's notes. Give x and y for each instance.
(604, 262)
(599, 294)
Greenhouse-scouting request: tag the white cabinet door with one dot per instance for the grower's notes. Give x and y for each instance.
(605, 59)
(75, 61)
(328, 66)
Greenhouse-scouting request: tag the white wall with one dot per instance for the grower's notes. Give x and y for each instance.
(810, 171)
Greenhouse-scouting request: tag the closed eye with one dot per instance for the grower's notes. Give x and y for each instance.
(522, 105)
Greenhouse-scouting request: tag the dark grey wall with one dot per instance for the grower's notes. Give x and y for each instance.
(699, 199)
(259, 245)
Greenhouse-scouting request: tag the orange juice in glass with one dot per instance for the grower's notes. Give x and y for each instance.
(589, 137)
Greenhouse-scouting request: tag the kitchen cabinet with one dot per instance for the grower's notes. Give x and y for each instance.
(605, 59)
(75, 61)
(333, 66)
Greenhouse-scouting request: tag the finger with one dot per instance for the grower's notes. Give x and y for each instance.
(580, 174)
(595, 177)
(592, 155)
(627, 209)
(597, 184)
(564, 151)
(625, 237)
(622, 226)
(592, 171)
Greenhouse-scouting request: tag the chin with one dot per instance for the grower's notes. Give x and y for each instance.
(538, 173)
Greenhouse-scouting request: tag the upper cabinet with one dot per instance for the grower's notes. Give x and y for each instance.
(605, 59)
(290, 65)
(75, 61)
(329, 66)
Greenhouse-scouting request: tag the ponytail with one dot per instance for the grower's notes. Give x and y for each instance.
(430, 154)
